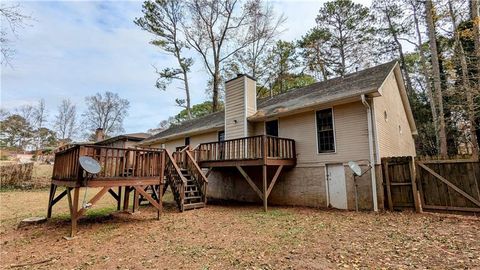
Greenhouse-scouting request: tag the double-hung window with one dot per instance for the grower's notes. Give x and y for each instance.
(325, 131)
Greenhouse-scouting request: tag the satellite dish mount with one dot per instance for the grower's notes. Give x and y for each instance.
(357, 172)
(92, 168)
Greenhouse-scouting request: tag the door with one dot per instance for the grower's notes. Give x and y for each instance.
(337, 188)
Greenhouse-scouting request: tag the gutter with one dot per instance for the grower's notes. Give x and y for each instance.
(371, 145)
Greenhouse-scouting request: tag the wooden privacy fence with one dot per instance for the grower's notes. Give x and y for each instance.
(442, 185)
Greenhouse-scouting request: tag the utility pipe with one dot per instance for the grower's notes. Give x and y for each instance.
(371, 145)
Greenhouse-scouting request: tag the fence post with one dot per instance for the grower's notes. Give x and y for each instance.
(413, 176)
(387, 182)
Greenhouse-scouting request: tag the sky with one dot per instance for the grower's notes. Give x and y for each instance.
(74, 49)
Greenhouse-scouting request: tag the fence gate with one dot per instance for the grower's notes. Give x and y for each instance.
(451, 185)
(399, 181)
(434, 185)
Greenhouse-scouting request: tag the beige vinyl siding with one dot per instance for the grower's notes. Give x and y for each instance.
(251, 96)
(173, 144)
(351, 135)
(392, 142)
(235, 109)
(203, 138)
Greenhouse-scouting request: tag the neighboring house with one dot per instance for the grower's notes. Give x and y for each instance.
(124, 140)
(360, 117)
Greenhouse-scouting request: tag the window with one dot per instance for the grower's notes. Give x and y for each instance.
(271, 128)
(385, 115)
(325, 131)
(221, 136)
(187, 141)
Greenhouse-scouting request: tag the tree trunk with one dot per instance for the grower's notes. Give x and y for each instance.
(476, 34)
(216, 86)
(400, 52)
(426, 74)
(436, 77)
(465, 81)
(187, 94)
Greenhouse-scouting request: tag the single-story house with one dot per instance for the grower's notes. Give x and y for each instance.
(360, 117)
(122, 141)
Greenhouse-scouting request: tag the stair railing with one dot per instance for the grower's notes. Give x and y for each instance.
(197, 174)
(175, 179)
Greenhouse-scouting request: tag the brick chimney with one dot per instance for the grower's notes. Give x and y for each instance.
(99, 135)
(240, 103)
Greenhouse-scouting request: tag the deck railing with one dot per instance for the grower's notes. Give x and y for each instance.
(115, 162)
(247, 148)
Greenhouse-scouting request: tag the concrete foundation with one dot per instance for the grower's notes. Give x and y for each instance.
(299, 186)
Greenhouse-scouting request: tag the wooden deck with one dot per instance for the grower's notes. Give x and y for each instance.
(258, 151)
(148, 172)
(248, 151)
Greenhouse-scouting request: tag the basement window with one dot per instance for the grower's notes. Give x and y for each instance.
(325, 131)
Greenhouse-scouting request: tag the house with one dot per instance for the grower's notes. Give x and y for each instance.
(121, 141)
(302, 141)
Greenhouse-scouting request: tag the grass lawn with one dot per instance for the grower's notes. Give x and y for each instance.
(233, 237)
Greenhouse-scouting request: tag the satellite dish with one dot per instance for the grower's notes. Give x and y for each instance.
(355, 168)
(89, 164)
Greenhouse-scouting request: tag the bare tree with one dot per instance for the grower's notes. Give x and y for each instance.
(264, 26)
(392, 27)
(217, 30)
(163, 18)
(12, 19)
(65, 120)
(442, 135)
(106, 111)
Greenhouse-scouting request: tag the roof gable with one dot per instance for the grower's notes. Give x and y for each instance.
(366, 81)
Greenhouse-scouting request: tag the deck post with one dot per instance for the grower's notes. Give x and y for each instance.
(119, 200)
(265, 187)
(74, 214)
(53, 189)
(126, 198)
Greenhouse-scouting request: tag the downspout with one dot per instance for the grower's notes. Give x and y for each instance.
(371, 145)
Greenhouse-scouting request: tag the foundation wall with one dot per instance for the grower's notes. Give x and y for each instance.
(299, 186)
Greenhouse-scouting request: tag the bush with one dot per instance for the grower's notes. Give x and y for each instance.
(16, 175)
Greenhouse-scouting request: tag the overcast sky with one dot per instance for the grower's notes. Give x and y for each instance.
(77, 48)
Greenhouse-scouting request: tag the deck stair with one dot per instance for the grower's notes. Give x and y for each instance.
(186, 180)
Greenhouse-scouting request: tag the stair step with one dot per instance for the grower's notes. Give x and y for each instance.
(193, 205)
(192, 197)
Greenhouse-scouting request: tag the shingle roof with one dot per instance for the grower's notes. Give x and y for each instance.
(131, 136)
(354, 84)
(207, 122)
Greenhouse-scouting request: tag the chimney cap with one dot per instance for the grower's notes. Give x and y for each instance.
(239, 75)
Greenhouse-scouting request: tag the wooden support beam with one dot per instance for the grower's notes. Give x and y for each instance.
(209, 171)
(265, 195)
(53, 190)
(274, 180)
(70, 203)
(59, 197)
(119, 198)
(95, 198)
(136, 199)
(413, 178)
(389, 191)
(126, 198)
(147, 196)
(114, 195)
(74, 217)
(448, 183)
(252, 184)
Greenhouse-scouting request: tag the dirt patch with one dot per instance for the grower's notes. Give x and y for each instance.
(226, 237)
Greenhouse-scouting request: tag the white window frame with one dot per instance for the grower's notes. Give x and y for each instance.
(334, 132)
